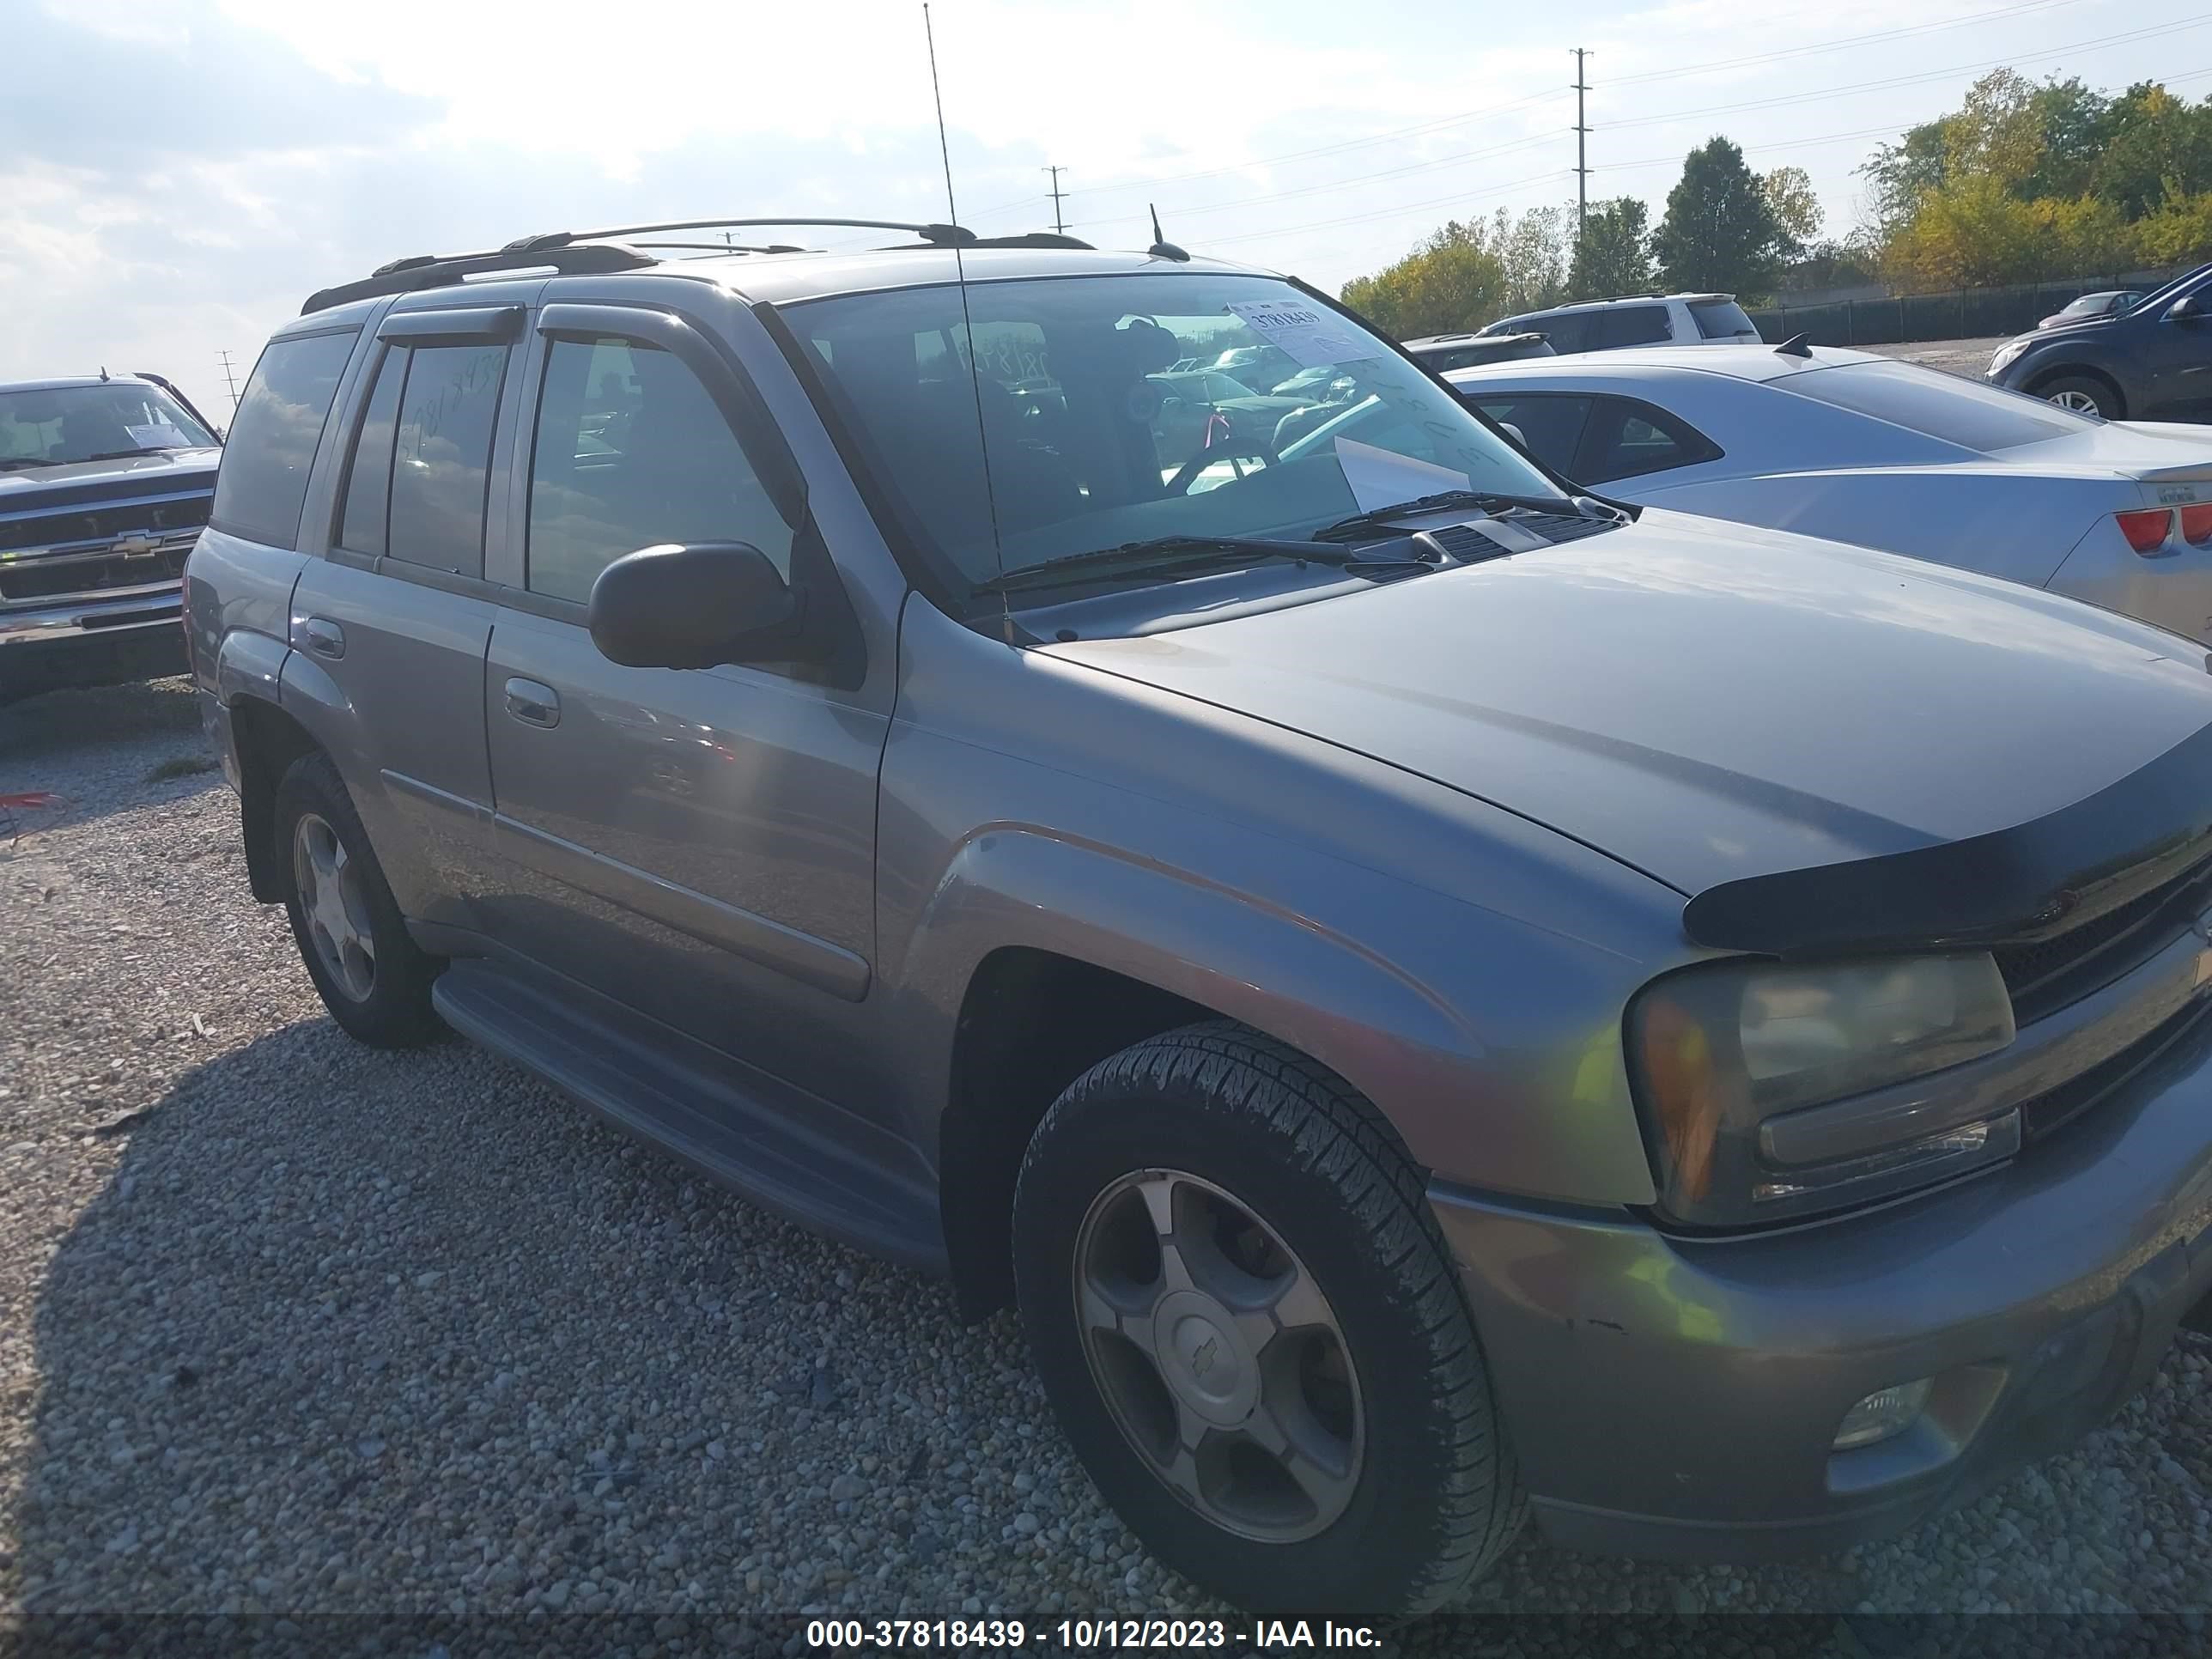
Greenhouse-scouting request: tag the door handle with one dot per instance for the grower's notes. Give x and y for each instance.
(324, 637)
(533, 704)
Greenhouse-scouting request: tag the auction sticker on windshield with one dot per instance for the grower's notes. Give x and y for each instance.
(1306, 334)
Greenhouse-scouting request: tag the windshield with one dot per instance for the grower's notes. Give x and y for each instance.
(1093, 436)
(53, 426)
(1946, 407)
(2159, 296)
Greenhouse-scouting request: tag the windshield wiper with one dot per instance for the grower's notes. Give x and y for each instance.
(27, 460)
(126, 454)
(1381, 516)
(1163, 553)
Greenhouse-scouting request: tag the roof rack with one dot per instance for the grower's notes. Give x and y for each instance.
(424, 271)
(932, 235)
(587, 252)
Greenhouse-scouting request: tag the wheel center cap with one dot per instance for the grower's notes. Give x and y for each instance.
(1205, 1360)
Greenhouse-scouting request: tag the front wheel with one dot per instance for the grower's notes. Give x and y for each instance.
(1250, 1327)
(2082, 394)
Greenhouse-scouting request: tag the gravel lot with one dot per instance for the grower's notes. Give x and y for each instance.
(1968, 357)
(286, 1324)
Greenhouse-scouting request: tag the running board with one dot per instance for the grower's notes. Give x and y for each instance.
(734, 1124)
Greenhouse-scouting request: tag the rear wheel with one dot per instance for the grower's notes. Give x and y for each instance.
(372, 976)
(2082, 393)
(1252, 1332)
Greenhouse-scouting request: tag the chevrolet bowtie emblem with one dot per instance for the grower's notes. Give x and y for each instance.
(135, 547)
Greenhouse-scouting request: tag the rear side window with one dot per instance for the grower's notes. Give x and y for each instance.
(368, 474)
(1718, 319)
(1627, 439)
(1631, 326)
(262, 482)
(1551, 423)
(1568, 331)
(441, 456)
(1946, 407)
(632, 451)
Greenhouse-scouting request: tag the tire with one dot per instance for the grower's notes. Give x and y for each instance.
(1419, 1490)
(2084, 392)
(380, 993)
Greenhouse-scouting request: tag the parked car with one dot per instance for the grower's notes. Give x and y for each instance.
(1887, 454)
(1446, 351)
(104, 484)
(1682, 320)
(2104, 303)
(1435, 1006)
(2150, 362)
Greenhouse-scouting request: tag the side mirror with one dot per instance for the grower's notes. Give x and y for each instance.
(692, 605)
(2185, 310)
(1514, 433)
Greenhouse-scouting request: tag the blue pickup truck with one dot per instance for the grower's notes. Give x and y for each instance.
(104, 483)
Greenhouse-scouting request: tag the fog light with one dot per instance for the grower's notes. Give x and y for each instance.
(1884, 1413)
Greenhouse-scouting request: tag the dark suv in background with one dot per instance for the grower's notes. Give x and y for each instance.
(2152, 362)
(105, 481)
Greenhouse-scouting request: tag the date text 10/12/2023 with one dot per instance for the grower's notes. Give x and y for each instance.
(1086, 1635)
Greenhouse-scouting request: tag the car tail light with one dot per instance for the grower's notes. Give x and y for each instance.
(2196, 524)
(2146, 527)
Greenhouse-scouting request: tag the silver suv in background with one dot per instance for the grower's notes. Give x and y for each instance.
(1643, 320)
(1440, 999)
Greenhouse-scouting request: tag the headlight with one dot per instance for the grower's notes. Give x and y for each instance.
(1772, 1092)
(2006, 353)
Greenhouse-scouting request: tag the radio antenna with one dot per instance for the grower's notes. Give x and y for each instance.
(967, 321)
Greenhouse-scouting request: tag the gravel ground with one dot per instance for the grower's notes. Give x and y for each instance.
(289, 1325)
(1968, 357)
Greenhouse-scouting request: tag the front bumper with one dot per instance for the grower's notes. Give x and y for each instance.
(1680, 1399)
(93, 640)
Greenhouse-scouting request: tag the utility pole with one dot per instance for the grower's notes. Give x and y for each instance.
(1582, 159)
(230, 380)
(1058, 224)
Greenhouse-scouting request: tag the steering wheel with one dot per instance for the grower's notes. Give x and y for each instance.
(1227, 447)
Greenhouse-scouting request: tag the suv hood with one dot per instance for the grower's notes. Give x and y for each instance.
(1709, 703)
(137, 475)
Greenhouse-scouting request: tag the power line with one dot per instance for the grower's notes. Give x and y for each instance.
(2097, 43)
(1676, 71)
(2094, 43)
(1385, 213)
(1846, 41)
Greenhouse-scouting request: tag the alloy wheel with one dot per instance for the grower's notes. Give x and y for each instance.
(1219, 1356)
(333, 906)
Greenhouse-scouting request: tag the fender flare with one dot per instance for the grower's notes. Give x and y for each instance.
(1231, 951)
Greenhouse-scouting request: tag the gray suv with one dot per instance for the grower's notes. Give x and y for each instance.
(1441, 999)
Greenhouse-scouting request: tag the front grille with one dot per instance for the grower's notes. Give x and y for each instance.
(103, 522)
(64, 577)
(2181, 1040)
(2044, 974)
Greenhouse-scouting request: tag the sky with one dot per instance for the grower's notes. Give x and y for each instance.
(176, 178)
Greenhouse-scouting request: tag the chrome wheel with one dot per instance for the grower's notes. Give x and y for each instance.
(1219, 1356)
(2080, 402)
(332, 906)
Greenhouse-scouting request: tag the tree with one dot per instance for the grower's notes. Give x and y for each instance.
(1532, 249)
(2156, 149)
(1613, 255)
(1451, 281)
(1788, 192)
(1719, 232)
